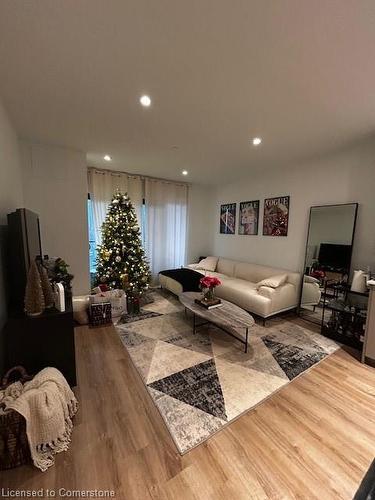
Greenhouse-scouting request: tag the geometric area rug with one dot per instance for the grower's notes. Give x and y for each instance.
(200, 383)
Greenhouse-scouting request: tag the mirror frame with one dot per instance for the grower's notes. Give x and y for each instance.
(356, 204)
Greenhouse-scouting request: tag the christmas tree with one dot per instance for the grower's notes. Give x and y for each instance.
(121, 260)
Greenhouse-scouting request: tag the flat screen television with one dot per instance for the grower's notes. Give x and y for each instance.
(335, 256)
(24, 245)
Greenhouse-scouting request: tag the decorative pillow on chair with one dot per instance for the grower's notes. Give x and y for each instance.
(310, 279)
(208, 264)
(273, 281)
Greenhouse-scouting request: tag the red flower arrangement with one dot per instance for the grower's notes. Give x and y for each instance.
(209, 282)
(318, 274)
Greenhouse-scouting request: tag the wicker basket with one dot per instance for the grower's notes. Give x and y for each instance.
(14, 447)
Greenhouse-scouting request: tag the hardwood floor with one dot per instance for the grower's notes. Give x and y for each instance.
(313, 439)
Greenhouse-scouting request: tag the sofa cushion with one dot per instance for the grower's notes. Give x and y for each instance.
(221, 276)
(273, 281)
(256, 273)
(207, 273)
(208, 264)
(242, 285)
(225, 266)
(244, 294)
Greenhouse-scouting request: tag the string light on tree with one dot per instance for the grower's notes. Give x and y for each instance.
(121, 260)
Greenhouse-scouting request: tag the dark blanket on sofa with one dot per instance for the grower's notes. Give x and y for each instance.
(188, 278)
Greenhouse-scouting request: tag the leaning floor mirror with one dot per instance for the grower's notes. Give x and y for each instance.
(328, 256)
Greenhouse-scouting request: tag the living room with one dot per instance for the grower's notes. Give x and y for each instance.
(228, 126)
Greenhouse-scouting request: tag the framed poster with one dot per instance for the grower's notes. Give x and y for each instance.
(228, 218)
(276, 216)
(248, 218)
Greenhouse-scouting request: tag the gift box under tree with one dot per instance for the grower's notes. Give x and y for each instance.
(100, 314)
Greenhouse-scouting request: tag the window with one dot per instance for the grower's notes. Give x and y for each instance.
(92, 241)
(161, 208)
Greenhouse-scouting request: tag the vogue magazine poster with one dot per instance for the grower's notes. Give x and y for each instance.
(248, 217)
(276, 216)
(228, 218)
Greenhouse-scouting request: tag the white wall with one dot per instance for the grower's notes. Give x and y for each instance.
(11, 197)
(200, 222)
(341, 178)
(55, 180)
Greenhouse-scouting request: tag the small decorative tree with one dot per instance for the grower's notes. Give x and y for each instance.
(46, 287)
(34, 299)
(121, 259)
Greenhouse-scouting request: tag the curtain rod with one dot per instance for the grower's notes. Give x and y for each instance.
(119, 172)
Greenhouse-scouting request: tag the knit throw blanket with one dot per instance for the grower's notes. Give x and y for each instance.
(48, 404)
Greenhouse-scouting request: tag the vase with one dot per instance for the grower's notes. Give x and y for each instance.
(209, 294)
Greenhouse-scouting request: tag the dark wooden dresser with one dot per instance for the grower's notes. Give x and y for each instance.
(41, 341)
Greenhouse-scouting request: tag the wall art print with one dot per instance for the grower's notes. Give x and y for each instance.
(228, 218)
(248, 218)
(276, 216)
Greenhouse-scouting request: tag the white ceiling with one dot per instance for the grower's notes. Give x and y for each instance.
(298, 73)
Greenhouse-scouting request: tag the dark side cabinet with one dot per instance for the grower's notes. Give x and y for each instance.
(41, 341)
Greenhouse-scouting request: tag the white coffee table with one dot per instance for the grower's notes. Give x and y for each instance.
(230, 318)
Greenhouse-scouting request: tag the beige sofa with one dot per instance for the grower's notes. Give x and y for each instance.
(241, 285)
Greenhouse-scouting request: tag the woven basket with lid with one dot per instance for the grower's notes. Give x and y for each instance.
(14, 446)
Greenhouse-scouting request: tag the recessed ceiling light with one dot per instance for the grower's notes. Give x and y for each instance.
(107, 158)
(184, 172)
(257, 141)
(145, 101)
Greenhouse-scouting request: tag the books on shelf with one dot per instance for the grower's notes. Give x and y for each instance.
(209, 304)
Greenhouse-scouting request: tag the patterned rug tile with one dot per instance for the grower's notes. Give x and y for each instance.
(169, 359)
(293, 359)
(295, 336)
(188, 426)
(223, 343)
(133, 339)
(197, 386)
(202, 382)
(160, 327)
(243, 387)
(141, 354)
(200, 342)
(328, 345)
(163, 303)
(131, 318)
(258, 357)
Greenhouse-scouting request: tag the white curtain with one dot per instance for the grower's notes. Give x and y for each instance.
(166, 224)
(102, 186)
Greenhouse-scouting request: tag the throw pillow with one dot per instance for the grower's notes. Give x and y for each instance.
(273, 281)
(193, 266)
(208, 264)
(310, 279)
